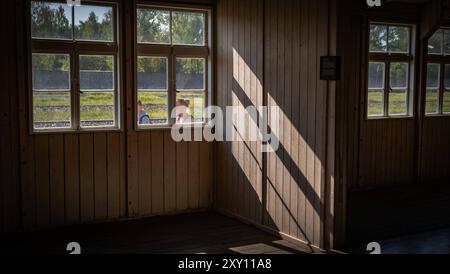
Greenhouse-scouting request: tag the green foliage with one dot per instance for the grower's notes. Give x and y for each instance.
(51, 62)
(93, 29)
(378, 37)
(96, 62)
(50, 21)
(152, 64)
(190, 65)
(188, 28)
(153, 26)
(53, 20)
(397, 103)
(398, 37)
(55, 106)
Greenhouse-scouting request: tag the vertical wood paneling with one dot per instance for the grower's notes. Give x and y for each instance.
(42, 181)
(70, 178)
(123, 177)
(194, 176)
(435, 150)
(182, 176)
(10, 208)
(371, 153)
(157, 172)
(144, 189)
(72, 193)
(170, 179)
(113, 159)
(206, 169)
(133, 178)
(296, 35)
(56, 144)
(87, 196)
(100, 177)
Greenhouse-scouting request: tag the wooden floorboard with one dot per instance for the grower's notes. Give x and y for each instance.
(207, 232)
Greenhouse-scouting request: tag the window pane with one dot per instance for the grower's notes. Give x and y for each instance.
(378, 38)
(433, 76)
(51, 20)
(446, 103)
(97, 109)
(399, 75)
(188, 28)
(375, 103)
(190, 107)
(433, 85)
(152, 105)
(152, 73)
(94, 23)
(153, 26)
(376, 75)
(447, 42)
(398, 102)
(447, 76)
(399, 39)
(51, 72)
(399, 89)
(96, 72)
(446, 95)
(51, 110)
(435, 43)
(431, 101)
(152, 108)
(375, 98)
(190, 74)
(97, 101)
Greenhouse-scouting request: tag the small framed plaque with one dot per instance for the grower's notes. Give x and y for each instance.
(330, 68)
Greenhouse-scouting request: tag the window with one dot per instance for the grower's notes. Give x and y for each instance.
(390, 71)
(173, 65)
(437, 94)
(74, 71)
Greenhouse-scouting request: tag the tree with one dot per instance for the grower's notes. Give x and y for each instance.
(93, 29)
(49, 20)
(153, 26)
(188, 28)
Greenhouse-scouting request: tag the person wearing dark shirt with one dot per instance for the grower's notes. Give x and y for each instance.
(142, 116)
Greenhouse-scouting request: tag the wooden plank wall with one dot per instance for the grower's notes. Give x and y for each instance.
(435, 131)
(168, 177)
(163, 177)
(239, 83)
(387, 147)
(384, 152)
(371, 153)
(296, 34)
(73, 178)
(9, 126)
(435, 156)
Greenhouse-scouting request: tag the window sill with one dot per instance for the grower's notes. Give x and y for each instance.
(437, 115)
(73, 131)
(389, 118)
(169, 127)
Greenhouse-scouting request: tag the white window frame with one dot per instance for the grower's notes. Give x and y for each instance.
(171, 52)
(76, 48)
(387, 58)
(442, 59)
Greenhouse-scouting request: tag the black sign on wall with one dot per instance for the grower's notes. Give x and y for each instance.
(330, 68)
